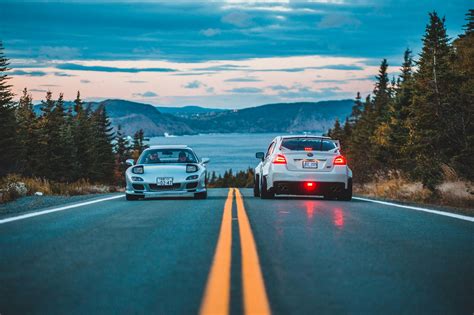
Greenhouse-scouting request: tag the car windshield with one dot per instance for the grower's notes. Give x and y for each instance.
(308, 144)
(157, 156)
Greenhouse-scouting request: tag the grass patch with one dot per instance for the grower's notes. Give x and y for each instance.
(453, 192)
(15, 186)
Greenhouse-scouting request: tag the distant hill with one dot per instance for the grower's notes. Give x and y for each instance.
(189, 111)
(282, 117)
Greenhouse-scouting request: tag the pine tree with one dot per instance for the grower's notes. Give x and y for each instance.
(122, 153)
(433, 135)
(69, 160)
(8, 129)
(399, 112)
(463, 63)
(83, 138)
(138, 143)
(27, 135)
(104, 162)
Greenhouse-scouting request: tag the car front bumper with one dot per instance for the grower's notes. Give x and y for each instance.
(151, 190)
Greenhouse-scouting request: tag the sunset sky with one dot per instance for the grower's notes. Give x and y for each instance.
(226, 54)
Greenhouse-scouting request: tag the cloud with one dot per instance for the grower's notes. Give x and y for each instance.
(38, 90)
(278, 88)
(194, 85)
(27, 73)
(145, 94)
(85, 81)
(239, 19)
(244, 79)
(338, 21)
(225, 67)
(136, 81)
(301, 69)
(58, 52)
(63, 74)
(211, 32)
(78, 67)
(246, 90)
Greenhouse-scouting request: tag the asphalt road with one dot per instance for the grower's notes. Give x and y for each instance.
(236, 255)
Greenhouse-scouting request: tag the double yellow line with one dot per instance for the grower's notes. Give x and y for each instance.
(217, 295)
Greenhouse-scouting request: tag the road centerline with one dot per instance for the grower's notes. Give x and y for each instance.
(255, 295)
(217, 293)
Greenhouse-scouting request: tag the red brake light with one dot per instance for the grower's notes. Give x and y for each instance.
(308, 149)
(310, 185)
(279, 159)
(340, 160)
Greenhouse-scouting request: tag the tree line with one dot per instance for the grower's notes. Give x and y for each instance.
(61, 143)
(420, 123)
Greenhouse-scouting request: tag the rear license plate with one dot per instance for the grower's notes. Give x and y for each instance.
(310, 164)
(164, 181)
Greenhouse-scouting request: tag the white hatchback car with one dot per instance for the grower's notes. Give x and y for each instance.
(303, 165)
(166, 170)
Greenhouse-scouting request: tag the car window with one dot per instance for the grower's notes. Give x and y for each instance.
(308, 144)
(161, 156)
(270, 149)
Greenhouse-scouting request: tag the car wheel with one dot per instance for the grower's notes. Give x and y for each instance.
(131, 197)
(347, 194)
(266, 193)
(200, 195)
(256, 186)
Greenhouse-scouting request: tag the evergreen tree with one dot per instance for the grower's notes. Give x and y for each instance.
(433, 134)
(83, 138)
(122, 153)
(27, 135)
(138, 143)
(104, 162)
(463, 159)
(8, 129)
(69, 160)
(399, 112)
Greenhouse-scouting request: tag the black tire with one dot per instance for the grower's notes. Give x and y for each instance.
(200, 195)
(131, 197)
(266, 193)
(347, 193)
(256, 186)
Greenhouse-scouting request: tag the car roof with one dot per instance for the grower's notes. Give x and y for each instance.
(169, 146)
(304, 136)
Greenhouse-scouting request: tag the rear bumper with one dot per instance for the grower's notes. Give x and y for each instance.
(337, 175)
(298, 188)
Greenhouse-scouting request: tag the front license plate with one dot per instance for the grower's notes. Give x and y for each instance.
(310, 164)
(164, 181)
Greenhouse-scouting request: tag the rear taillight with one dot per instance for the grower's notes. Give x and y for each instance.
(340, 160)
(279, 159)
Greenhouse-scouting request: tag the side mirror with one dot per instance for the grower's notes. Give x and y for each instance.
(205, 160)
(130, 162)
(260, 155)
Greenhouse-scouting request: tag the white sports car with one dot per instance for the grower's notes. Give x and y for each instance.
(166, 170)
(303, 165)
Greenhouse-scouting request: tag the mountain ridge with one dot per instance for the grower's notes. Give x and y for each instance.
(189, 120)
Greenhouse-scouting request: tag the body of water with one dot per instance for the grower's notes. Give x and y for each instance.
(226, 151)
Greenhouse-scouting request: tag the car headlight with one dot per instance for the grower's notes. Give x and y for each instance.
(192, 177)
(138, 170)
(137, 179)
(191, 168)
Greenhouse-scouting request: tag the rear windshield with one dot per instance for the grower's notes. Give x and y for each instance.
(308, 144)
(159, 156)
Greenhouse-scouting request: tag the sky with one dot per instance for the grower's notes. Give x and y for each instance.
(222, 54)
